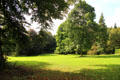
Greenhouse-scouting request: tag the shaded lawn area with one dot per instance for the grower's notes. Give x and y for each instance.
(63, 67)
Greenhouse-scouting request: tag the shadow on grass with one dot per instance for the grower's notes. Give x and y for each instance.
(31, 73)
(106, 72)
(41, 55)
(30, 64)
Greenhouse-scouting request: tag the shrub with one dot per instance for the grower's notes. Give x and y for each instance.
(96, 49)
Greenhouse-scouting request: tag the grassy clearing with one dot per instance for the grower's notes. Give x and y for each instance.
(70, 67)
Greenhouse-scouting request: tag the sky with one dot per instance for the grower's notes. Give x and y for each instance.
(109, 8)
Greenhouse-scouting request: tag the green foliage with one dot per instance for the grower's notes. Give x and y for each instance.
(115, 26)
(60, 38)
(102, 34)
(113, 41)
(38, 43)
(41, 11)
(77, 33)
(114, 38)
(8, 47)
(96, 49)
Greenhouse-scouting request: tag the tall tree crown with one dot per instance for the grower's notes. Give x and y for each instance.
(102, 21)
(115, 25)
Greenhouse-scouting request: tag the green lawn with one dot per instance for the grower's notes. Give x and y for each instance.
(70, 67)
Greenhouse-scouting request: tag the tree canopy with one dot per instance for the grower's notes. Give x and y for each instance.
(79, 29)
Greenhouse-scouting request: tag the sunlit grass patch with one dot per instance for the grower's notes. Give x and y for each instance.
(98, 67)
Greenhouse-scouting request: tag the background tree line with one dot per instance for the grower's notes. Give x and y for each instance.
(35, 43)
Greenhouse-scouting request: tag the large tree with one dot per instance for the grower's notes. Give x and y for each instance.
(12, 15)
(103, 34)
(77, 33)
(82, 26)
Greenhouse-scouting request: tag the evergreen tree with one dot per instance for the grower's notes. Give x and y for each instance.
(103, 35)
(115, 26)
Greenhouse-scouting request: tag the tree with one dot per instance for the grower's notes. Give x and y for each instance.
(12, 15)
(102, 35)
(8, 46)
(115, 26)
(82, 26)
(49, 42)
(77, 33)
(60, 38)
(38, 43)
(114, 38)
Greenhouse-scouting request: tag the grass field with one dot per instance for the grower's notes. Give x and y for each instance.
(68, 67)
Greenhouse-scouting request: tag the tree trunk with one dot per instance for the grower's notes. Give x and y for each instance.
(2, 60)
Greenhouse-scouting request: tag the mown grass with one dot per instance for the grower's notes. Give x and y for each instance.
(70, 67)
